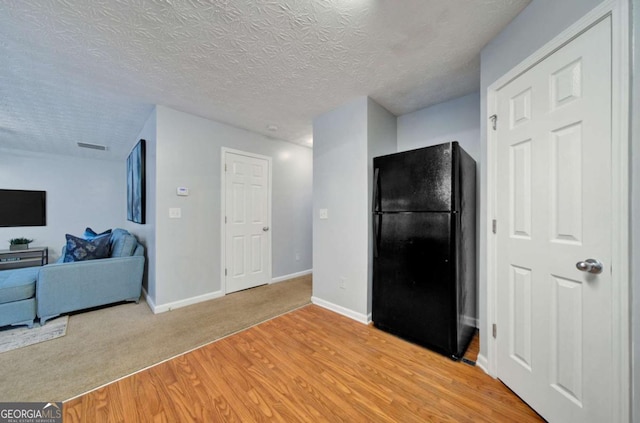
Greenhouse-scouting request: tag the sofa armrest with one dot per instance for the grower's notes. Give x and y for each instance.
(65, 287)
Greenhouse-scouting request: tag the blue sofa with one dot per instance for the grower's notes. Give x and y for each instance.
(66, 287)
(17, 296)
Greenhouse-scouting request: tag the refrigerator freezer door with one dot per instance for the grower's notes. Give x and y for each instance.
(416, 180)
(413, 282)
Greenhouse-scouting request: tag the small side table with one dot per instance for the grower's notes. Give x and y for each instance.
(16, 259)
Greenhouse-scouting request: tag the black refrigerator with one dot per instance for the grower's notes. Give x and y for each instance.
(424, 247)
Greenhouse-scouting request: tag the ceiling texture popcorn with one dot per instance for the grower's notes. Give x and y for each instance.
(91, 71)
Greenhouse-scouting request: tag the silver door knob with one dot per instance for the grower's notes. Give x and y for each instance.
(590, 266)
(266, 228)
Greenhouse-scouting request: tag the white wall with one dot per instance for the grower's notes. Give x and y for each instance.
(188, 154)
(146, 233)
(344, 141)
(454, 120)
(80, 192)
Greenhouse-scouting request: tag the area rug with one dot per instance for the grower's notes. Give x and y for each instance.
(14, 338)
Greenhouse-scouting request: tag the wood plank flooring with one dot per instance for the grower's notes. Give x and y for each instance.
(310, 365)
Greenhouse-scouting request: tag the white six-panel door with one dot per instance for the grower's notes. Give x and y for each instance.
(553, 211)
(247, 231)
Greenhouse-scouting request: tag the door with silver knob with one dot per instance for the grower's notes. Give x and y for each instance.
(590, 266)
(553, 153)
(247, 235)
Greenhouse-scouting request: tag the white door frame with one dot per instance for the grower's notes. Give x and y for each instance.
(619, 12)
(223, 208)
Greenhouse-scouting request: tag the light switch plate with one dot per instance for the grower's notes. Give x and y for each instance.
(324, 213)
(182, 191)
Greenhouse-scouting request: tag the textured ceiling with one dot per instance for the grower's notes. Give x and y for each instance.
(91, 71)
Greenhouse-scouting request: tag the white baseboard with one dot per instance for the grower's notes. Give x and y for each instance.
(186, 302)
(147, 298)
(206, 297)
(483, 363)
(359, 317)
(291, 276)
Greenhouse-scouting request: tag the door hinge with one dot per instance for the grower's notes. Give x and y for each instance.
(494, 329)
(225, 165)
(225, 272)
(494, 226)
(225, 219)
(494, 121)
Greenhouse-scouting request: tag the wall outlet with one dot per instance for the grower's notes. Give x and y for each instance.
(297, 256)
(324, 213)
(175, 213)
(342, 282)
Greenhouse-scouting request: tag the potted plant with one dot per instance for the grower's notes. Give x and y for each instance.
(19, 243)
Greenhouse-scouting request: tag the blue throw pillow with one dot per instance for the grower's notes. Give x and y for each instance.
(91, 234)
(78, 249)
(123, 244)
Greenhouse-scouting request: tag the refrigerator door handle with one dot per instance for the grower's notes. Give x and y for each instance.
(377, 221)
(374, 200)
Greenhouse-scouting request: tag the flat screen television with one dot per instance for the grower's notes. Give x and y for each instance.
(23, 208)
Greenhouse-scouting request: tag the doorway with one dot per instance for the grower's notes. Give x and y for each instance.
(246, 220)
(560, 320)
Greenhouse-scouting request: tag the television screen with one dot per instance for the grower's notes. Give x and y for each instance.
(23, 208)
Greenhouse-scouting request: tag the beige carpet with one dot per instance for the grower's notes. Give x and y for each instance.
(106, 344)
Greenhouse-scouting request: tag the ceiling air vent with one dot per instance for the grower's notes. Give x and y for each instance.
(93, 146)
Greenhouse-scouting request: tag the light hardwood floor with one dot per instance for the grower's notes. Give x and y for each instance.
(309, 365)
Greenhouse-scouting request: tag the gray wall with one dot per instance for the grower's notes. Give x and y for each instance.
(453, 120)
(80, 192)
(188, 154)
(146, 233)
(340, 243)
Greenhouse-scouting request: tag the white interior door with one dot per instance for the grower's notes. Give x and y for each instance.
(554, 211)
(247, 231)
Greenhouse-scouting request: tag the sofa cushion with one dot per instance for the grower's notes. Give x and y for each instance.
(91, 234)
(18, 284)
(78, 249)
(123, 244)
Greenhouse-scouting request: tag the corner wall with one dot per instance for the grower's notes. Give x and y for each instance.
(344, 141)
(146, 233)
(339, 186)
